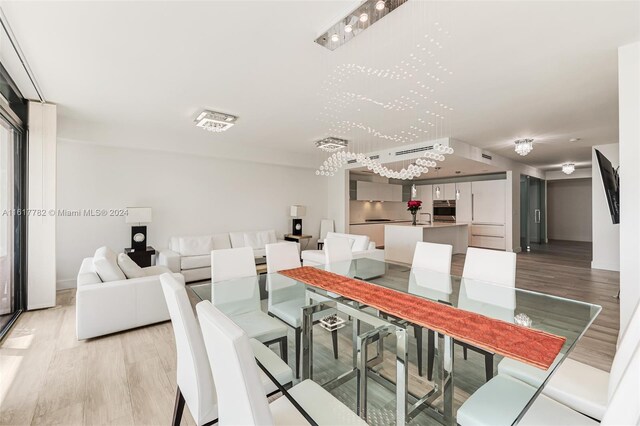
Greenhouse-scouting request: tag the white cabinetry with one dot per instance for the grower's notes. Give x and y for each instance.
(425, 194)
(444, 191)
(488, 214)
(463, 202)
(376, 191)
(488, 202)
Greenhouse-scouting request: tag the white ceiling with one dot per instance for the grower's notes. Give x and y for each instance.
(137, 73)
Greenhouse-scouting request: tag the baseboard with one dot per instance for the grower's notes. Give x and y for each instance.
(605, 267)
(65, 284)
(517, 250)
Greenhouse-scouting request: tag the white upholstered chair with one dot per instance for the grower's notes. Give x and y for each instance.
(241, 400)
(235, 291)
(326, 226)
(228, 264)
(286, 297)
(580, 386)
(437, 259)
(193, 376)
(499, 401)
(337, 250)
(483, 274)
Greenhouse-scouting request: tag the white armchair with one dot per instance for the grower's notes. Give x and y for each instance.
(360, 247)
(108, 301)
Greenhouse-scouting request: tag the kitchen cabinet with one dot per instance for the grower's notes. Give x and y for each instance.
(488, 200)
(488, 236)
(377, 191)
(425, 194)
(463, 202)
(447, 191)
(366, 191)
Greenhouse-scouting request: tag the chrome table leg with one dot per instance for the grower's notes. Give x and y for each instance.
(402, 375)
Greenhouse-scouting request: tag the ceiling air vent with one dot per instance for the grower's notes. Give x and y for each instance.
(487, 156)
(414, 150)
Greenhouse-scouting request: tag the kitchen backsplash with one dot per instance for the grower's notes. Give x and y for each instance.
(360, 211)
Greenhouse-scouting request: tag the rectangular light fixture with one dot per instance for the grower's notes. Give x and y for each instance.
(332, 144)
(215, 121)
(361, 18)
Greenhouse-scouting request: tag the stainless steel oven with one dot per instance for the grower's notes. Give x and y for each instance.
(444, 210)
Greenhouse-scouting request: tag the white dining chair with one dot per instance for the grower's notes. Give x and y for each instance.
(326, 226)
(287, 297)
(491, 267)
(235, 291)
(337, 249)
(194, 378)
(580, 386)
(228, 264)
(500, 401)
(241, 401)
(436, 258)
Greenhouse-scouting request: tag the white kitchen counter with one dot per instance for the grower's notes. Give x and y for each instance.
(400, 239)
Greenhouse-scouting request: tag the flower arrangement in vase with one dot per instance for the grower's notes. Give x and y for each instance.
(413, 206)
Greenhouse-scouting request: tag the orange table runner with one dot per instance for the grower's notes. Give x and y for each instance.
(528, 345)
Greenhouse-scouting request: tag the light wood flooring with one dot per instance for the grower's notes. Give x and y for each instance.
(48, 377)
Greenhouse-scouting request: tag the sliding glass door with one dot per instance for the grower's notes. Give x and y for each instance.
(11, 223)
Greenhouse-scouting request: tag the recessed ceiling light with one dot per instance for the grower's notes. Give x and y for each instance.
(215, 121)
(335, 38)
(348, 28)
(380, 5)
(364, 17)
(574, 139)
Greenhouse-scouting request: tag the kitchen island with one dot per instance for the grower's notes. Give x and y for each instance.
(400, 239)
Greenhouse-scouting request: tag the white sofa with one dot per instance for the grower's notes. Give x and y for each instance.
(107, 301)
(191, 256)
(361, 247)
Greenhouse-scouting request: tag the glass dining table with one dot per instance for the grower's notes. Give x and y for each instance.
(370, 385)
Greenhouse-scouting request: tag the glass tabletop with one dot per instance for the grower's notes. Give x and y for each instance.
(560, 316)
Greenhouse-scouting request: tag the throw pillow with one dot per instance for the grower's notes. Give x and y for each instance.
(129, 267)
(106, 265)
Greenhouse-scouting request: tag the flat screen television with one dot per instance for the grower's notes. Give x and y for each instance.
(611, 183)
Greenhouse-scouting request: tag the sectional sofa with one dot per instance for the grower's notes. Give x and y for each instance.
(191, 256)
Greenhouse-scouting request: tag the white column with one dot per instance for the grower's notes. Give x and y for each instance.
(338, 200)
(606, 235)
(629, 111)
(41, 228)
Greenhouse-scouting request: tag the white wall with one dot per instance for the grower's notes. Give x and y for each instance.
(190, 195)
(569, 209)
(629, 107)
(606, 235)
(41, 227)
(359, 211)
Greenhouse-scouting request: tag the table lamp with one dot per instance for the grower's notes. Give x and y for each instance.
(297, 212)
(139, 233)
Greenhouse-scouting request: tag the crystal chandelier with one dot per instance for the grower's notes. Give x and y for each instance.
(524, 146)
(332, 144)
(568, 168)
(339, 159)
